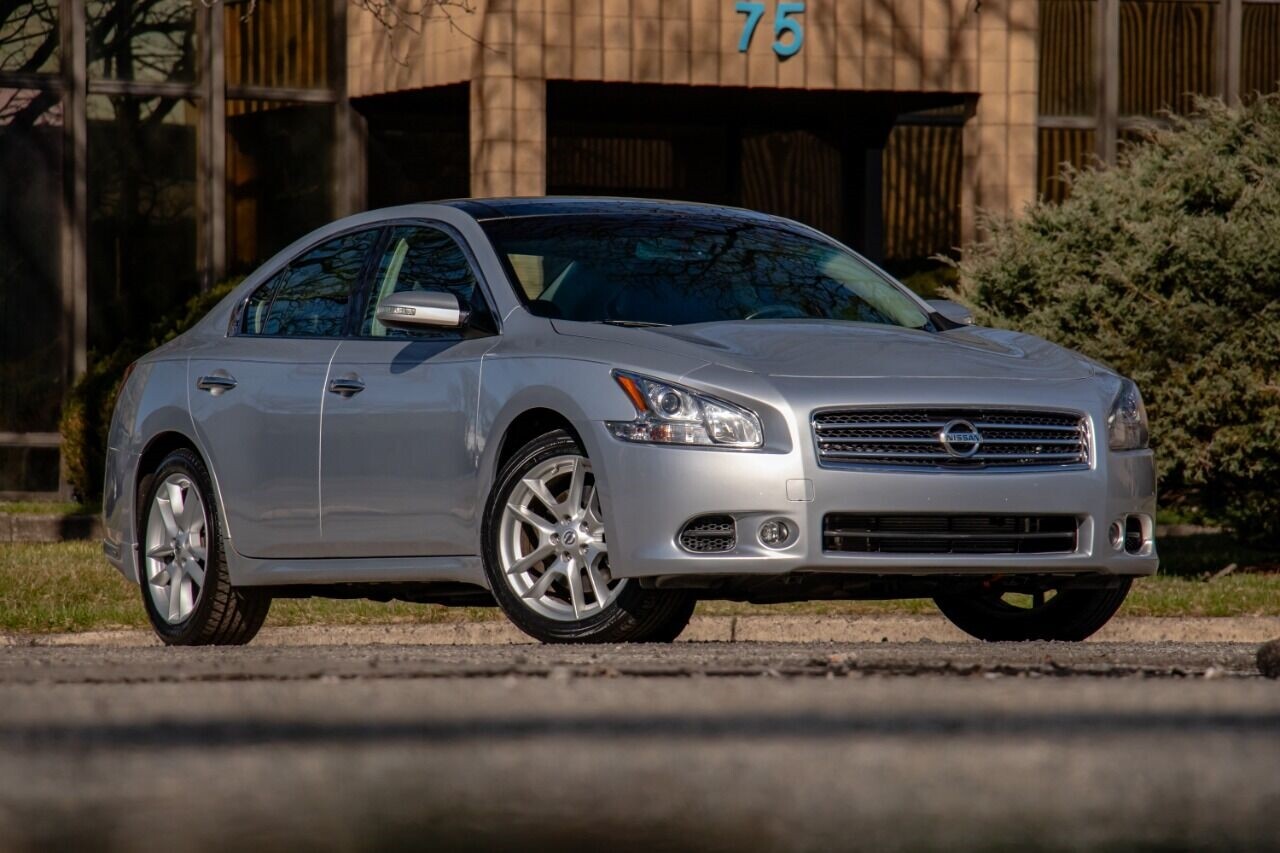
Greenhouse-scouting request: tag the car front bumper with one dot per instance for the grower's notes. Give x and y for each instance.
(651, 492)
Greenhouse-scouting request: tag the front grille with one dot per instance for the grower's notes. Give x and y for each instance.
(914, 438)
(949, 534)
(708, 534)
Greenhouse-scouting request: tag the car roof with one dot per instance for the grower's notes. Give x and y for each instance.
(505, 208)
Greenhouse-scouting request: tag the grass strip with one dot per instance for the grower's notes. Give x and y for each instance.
(69, 586)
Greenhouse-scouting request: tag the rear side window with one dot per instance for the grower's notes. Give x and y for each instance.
(309, 298)
(420, 258)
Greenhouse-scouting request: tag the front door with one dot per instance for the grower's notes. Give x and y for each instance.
(256, 398)
(399, 456)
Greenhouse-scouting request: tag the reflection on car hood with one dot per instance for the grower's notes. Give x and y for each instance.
(832, 349)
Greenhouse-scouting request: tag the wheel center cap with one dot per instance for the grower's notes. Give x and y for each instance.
(569, 537)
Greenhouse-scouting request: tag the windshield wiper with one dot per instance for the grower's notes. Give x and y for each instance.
(634, 324)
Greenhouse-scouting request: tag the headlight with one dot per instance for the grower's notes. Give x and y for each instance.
(670, 414)
(1127, 423)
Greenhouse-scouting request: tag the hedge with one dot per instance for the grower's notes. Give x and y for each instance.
(1167, 267)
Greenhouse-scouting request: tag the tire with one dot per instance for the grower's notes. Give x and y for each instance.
(209, 610)
(541, 599)
(1070, 616)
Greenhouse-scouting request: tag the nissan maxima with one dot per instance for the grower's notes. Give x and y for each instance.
(595, 413)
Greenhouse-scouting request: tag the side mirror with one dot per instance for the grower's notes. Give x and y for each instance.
(418, 309)
(953, 311)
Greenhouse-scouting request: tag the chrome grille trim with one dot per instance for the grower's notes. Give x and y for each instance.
(910, 438)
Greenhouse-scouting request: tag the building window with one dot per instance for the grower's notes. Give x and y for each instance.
(1061, 147)
(31, 324)
(1068, 107)
(161, 212)
(143, 260)
(794, 173)
(283, 44)
(921, 195)
(1067, 29)
(278, 176)
(1168, 52)
(29, 38)
(152, 40)
(1110, 68)
(1259, 48)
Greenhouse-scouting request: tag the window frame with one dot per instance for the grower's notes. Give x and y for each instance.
(361, 304)
(239, 317)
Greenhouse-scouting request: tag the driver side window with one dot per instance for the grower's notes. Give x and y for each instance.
(419, 258)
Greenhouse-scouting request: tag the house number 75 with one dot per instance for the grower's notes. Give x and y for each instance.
(782, 24)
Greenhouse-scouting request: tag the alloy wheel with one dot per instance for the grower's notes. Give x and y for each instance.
(176, 548)
(552, 547)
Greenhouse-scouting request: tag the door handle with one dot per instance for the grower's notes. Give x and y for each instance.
(346, 386)
(216, 383)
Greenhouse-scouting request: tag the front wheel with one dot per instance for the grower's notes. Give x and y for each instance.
(546, 555)
(1047, 614)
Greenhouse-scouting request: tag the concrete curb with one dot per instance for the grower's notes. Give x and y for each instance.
(18, 527)
(759, 629)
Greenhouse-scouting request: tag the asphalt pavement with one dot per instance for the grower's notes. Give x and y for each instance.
(695, 746)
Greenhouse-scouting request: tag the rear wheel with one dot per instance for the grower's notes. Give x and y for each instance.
(185, 584)
(546, 555)
(1067, 614)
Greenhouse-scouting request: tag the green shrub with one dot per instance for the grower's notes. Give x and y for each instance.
(86, 412)
(1167, 267)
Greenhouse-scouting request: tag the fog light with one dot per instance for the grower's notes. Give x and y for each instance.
(1134, 538)
(1117, 534)
(774, 533)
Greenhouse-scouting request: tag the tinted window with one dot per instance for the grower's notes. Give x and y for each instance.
(255, 310)
(309, 298)
(420, 258)
(671, 270)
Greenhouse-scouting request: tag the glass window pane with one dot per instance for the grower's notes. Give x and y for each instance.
(1167, 53)
(278, 43)
(1259, 48)
(29, 36)
(278, 176)
(921, 194)
(31, 327)
(258, 303)
(420, 259)
(1066, 57)
(1059, 145)
(142, 214)
(141, 39)
(312, 300)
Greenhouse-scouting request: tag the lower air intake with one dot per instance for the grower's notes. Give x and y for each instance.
(859, 533)
(709, 534)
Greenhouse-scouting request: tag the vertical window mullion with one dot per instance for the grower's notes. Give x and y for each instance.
(1108, 78)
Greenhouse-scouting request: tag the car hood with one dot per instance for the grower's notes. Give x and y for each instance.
(832, 349)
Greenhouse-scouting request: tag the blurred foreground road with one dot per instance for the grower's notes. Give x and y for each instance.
(707, 746)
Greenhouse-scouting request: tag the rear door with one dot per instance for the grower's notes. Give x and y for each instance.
(256, 398)
(399, 455)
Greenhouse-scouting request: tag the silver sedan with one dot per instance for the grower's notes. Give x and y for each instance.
(594, 413)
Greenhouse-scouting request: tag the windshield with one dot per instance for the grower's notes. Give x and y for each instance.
(677, 269)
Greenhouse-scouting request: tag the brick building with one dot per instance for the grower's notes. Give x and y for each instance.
(149, 148)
